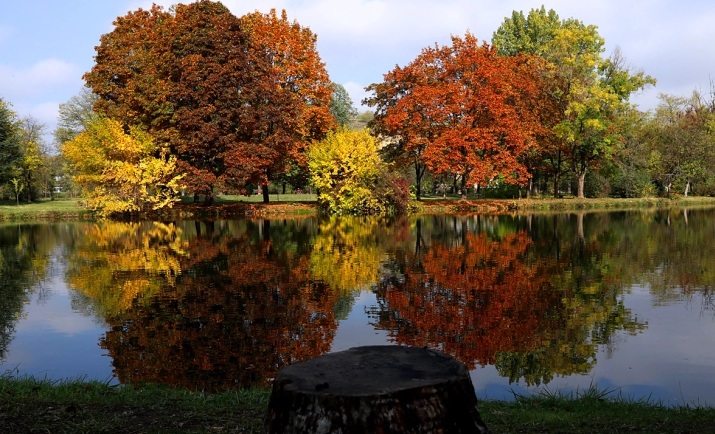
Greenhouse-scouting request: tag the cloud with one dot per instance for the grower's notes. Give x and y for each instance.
(39, 79)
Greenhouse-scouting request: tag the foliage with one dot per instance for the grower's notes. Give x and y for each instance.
(287, 103)
(588, 94)
(681, 142)
(233, 99)
(460, 110)
(350, 176)
(10, 154)
(121, 172)
(74, 115)
(341, 106)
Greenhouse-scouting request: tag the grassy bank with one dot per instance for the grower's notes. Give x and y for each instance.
(60, 209)
(28, 405)
(454, 205)
(305, 204)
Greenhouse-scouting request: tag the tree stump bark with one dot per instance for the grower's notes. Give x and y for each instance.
(375, 389)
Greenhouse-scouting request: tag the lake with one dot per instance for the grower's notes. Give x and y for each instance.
(622, 301)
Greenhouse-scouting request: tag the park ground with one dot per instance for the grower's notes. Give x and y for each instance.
(305, 204)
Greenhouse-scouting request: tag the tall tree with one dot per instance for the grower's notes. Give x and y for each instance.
(461, 109)
(286, 103)
(234, 99)
(35, 160)
(10, 154)
(341, 106)
(590, 91)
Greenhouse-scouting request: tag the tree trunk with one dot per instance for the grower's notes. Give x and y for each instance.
(376, 389)
(266, 198)
(464, 187)
(581, 184)
(687, 189)
(419, 172)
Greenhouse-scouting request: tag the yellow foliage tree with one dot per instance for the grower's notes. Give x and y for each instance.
(121, 172)
(345, 168)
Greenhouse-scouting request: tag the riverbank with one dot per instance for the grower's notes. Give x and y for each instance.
(291, 205)
(28, 405)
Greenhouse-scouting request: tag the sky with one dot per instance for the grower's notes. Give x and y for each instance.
(46, 45)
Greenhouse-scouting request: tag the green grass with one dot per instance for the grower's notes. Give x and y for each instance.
(44, 209)
(30, 405)
(72, 209)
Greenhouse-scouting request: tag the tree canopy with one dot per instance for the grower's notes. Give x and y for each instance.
(588, 91)
(234, 99)
(9, 142)
(121, 172)
(341, 106)
(460, 109)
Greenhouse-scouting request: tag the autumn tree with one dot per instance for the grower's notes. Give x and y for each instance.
(461, 110)
(120, 172)
(286, 104)
(680, 137)
(351, 178)
(33, 167)
(235, 100)
(588, 92)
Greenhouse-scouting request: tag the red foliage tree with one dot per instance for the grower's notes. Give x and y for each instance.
(462, 109)
(286, 99)
(236, 99)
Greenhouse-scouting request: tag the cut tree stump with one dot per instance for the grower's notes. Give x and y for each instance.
(375, 389)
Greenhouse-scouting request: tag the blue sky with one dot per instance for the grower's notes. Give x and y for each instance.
(46, 45)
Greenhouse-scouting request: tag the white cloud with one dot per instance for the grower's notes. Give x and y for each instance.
(39, 79)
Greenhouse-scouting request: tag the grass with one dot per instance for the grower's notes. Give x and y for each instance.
(31, 405)
(44, 209)
(227, 206)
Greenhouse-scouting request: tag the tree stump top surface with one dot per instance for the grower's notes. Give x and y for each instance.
(371, 370)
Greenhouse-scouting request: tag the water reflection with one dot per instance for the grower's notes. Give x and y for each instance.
(225, 304)
(524, 295)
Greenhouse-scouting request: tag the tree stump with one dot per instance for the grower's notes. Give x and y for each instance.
(375, 389)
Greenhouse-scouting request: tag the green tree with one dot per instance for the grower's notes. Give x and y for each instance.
(10, 154)
(341, 106)
(682, 142)
(589, 92)
(74, 115)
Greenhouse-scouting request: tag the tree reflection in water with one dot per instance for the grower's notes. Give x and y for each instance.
(234, 308)
(215, 305)
(533, 301)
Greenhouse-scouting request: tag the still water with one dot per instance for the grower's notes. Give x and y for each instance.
(622, 301)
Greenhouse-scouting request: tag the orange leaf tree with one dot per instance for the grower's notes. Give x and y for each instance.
(461, 110)
(235, 99)
(286, 99)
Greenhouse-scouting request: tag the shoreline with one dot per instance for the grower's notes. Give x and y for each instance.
(72, 210)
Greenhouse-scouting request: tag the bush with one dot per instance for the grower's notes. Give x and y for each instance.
(352, 179)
